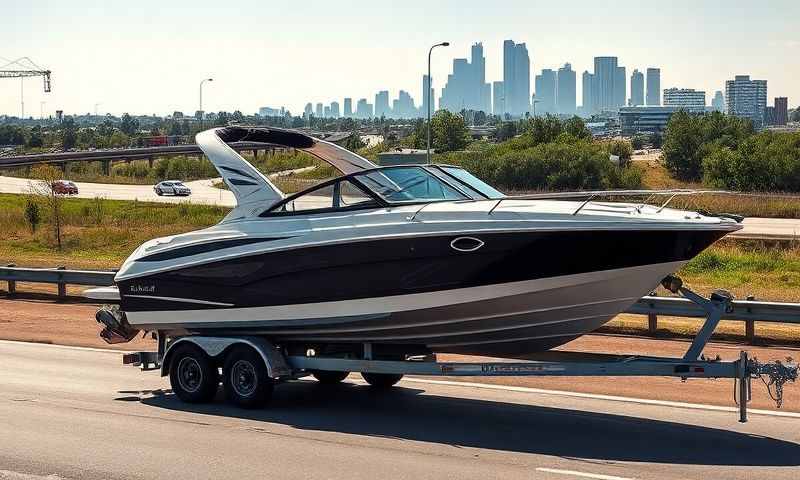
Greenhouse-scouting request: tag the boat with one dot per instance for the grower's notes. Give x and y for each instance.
(409, 259)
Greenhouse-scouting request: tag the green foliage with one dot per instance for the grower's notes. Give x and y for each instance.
(448, 132)
(621, 148)
(637, 142)
(689, 138)
(32, 214)
(506, 131)
(69, 133)
(129, 125)
(767, 161)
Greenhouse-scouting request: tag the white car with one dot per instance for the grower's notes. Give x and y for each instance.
(172, 187)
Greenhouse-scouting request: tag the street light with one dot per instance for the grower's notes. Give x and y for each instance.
(428, 94)
(201, 99)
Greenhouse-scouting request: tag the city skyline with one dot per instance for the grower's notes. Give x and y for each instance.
(126, 70)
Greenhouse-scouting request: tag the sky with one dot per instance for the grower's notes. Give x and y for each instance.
(148, 57)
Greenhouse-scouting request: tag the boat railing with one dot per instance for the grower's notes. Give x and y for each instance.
(590, 195)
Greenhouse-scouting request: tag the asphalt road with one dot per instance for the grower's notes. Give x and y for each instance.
(76, 413)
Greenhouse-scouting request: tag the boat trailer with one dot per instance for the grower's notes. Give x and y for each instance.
(281, 366)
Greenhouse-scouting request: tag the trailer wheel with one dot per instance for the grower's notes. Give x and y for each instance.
(381, 380)
(327, 377)
(193, 375)
(247, 383)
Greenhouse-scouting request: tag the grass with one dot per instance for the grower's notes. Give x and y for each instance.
(769, 205)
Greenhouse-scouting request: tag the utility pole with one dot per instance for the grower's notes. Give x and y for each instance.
(428, 94)
(22, 98)
(202, 114)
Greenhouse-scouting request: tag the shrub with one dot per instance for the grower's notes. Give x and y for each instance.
(32, 214)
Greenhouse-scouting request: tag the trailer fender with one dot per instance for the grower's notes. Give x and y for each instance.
(215, 348)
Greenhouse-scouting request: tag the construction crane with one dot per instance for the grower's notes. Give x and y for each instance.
(21, 68)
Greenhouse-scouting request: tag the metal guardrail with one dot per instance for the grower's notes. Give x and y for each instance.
(59, 276)
(748, 311)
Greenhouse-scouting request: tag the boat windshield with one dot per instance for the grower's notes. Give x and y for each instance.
(408, 184)
(472, 181)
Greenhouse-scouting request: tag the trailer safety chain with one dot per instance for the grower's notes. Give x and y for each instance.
(778, 374)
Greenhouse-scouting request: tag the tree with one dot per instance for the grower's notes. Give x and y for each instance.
(637, 142)
(448, 132)
(69, 133)
(576, 127)
(36, 139)
(129, 125)
(47, 176)
(506, 131)
(32, 214)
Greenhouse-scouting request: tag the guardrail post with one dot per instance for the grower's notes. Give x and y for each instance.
(652, 318)
(12, 284)
(62, 287)
(750, 325)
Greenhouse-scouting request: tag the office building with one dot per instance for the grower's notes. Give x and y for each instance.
(718, 102)
(363, 109)
(307, 111)
(382, 104)
(589, 96)
(637, 89)
(781, 110)
(318, 111)
(566, 90)
(684, 97)
(746, 98)
(271, 112)
(545, 85)
(653, 87)
(650, 119)
(466, 87)
(769, 115)
(516, 78)
(348, 107)
(620, 90)
(403, 106)
(427, 93)
(498, 102)
(335, 109)
(606, 77)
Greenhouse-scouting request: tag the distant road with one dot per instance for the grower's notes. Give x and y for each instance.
(71, 413)
(204, 192)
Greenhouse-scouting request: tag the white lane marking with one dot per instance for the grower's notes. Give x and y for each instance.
(507, 388)
(594, 396)
(581, 474)
(9, 475)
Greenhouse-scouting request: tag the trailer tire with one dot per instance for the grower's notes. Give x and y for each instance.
(192, 374)
(245, 378)
(327, 377)
(381, 380)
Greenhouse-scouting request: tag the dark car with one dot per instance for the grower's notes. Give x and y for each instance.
(64, 187)
(172, 187)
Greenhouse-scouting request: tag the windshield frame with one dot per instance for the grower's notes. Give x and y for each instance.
(448, 180)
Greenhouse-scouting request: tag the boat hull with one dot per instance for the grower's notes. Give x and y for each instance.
(519, 293)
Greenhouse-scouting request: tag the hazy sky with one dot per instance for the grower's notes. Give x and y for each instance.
(146, 57)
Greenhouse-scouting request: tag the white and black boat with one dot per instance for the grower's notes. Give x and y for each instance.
(409, 259)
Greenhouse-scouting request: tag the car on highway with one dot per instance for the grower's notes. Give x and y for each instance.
(172, 187)
(64, 187)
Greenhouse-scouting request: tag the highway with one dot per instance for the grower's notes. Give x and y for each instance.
(76, 413)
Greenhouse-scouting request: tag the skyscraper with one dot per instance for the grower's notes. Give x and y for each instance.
(466, 87)
(427, 86)
(308, 110)
(516, 78)
(746, 98)
(620, 90)
(382, 104)
(318, 111)
(403, 106)
(637, 88)
(335, 109)
(605, 77)
(566, 90)
(498, 101)
(546, 86)
(589, 96)
(718, 102)
(348, 107)
(653, 86)
(781, 110)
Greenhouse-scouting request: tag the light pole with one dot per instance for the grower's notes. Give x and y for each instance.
(95, 107)
(428, 94)
(201, 99)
